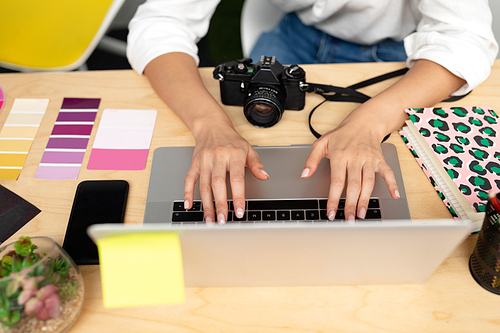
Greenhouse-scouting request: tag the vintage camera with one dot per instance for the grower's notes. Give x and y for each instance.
(265, 89)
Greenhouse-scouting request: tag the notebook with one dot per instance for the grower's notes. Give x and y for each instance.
(391, 249)
(288, 197)
(457, 148)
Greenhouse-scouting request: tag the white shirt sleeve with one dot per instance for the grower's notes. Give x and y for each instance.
(164, 26)
(456, 34)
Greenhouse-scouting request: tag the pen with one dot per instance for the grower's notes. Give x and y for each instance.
(494, 201)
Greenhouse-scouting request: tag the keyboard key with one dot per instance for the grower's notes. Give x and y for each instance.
(196, 205)
(312, 215)
(282, 204)
(254, 216)
(373, 214)
(269, 215)
(179, 206)
(283, 215)
(236, 219)
(187, 216)
(341, 204)
(373, 203)
(297, 215)
(322, 204)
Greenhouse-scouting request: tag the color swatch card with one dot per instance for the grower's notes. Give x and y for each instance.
(122, 140)
(63, 156)
(18, 134)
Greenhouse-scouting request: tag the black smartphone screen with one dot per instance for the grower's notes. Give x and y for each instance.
(96, 201)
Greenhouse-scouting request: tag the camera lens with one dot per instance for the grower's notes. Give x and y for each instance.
(264, 106)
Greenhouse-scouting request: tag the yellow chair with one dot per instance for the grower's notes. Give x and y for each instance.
(52, 35)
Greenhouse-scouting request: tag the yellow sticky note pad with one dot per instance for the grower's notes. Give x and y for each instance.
(141, 269)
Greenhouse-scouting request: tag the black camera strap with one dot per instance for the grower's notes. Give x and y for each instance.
(350, 94)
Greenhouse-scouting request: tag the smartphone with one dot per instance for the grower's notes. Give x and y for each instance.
(96, 201)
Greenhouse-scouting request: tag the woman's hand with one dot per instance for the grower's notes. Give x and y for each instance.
(355, 156)
(219, 151)
(354, 146)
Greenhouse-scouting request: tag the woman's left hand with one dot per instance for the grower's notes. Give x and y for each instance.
(355, 156)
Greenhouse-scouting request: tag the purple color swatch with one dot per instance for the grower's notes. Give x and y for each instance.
(56, 172)
(63, 155)
(68, 143)
(72, 130)
(81, 103)
(76, 116)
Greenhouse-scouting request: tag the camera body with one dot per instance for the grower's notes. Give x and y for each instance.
(264, 89)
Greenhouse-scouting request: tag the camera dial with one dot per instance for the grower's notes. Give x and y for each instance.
(295, 72)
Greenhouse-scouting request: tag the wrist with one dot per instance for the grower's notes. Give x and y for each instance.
(213, 122)
(381, 115)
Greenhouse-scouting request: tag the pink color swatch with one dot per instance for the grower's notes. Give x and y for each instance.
(118, 159)
(2, 98)
(122, 140)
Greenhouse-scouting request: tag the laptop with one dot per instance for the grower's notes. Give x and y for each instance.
(388, 248)
(283, 197)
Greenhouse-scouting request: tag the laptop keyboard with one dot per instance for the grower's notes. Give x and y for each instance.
(289, 210)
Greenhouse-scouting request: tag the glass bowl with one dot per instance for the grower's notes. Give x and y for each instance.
(41, 288)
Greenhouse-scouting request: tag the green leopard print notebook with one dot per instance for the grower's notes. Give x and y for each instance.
(458, 149)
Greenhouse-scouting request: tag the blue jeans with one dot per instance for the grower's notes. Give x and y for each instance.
(292, 42)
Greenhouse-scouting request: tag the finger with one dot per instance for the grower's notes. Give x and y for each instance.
(206, 193)
(388, 175)
(353, 189)
(315, 156)
(337, 182)
(237, 181)
(368, 181)
(255, 165)
(219, 188)
(189, 184)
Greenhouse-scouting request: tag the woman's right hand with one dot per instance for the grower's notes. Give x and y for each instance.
(220, 150)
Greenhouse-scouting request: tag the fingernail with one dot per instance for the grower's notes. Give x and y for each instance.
(208, 220)
(305, 173)
(351, 218)
(186, 204)
(239, 212)
(396, 193)
(362, 213)
(221, 218)
(264, 173)
(331, 215)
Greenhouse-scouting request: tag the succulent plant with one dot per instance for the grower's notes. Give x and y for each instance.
(32, 291)
(43, 302)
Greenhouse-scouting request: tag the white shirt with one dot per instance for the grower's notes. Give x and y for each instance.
(456, 34)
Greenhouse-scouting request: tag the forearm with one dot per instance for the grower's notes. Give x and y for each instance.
(176, 80)
(424, 85)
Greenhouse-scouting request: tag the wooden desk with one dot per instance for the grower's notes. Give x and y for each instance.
(450, 301)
